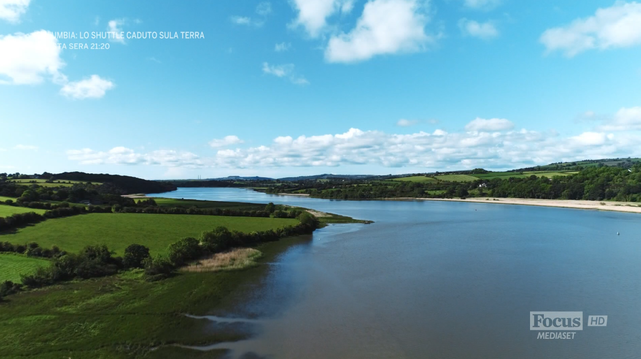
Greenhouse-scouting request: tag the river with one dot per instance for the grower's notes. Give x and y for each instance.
(443, 280)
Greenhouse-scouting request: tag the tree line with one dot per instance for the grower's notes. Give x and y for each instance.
(98, 261)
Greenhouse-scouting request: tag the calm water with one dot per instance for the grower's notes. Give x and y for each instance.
(443, 280)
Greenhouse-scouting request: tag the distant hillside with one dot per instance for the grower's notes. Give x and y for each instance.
(326, 176)
(578, 165)
(239, 178)
(125, 184)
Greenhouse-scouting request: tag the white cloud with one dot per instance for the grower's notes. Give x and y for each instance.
(347, 6)
(493, 124)
(590, 139)
(241, 20)
(11, 10)
(226, 141)
(286, 71)
(115, 26)
(481, 4)
(32, 58)
(282, 47)
(385, 27)
(614, 27)
(439, 150)
(93, 87)
(26, 148)
(626, 119)
(406, 123)
(264, 8)
(482, 30)
(127, 156)
(313, 14)
(29, 58)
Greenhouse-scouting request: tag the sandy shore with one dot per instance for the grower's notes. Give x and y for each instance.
(578, 204)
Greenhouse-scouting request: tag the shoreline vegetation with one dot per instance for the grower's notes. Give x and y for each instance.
(83, 300)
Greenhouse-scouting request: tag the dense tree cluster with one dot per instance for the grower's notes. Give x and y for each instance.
(91, 262)
(19, 220)
(98, 261)
(219, 240)
(270, 211)
(32, 249)
(591, 183)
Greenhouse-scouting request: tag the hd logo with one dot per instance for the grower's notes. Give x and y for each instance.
(562, 325)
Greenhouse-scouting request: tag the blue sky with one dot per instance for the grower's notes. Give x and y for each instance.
(279, 88)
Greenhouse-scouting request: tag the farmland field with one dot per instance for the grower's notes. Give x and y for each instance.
(170, 202)
(3, 199)
(456, 178)
(505, 175)
(12, 265)
(6, 211)
(119, 230)
(415, 179)
(44, 183)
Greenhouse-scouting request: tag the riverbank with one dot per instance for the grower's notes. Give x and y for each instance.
(630, 207)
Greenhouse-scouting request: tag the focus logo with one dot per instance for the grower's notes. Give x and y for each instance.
(568, 321)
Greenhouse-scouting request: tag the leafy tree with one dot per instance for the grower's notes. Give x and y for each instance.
(135, 255)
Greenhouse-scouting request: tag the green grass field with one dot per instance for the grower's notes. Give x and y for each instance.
(3, 199)
(12, 265)
(44, 183)
(6, 211)
(505, 175)
(456, 178)
(187, 203)
(415, 179)
(119, 230)
(123, 316)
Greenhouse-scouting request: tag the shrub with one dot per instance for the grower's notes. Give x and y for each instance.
(184, 250)
(159, 266)
(135, 255)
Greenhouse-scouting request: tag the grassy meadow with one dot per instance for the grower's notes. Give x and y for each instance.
(188, 203)
(13, 265)
(6, 211)
(505, 175)
(456, 178)
(119, 230)
(415, 179)
(44, 183)
(123, 316)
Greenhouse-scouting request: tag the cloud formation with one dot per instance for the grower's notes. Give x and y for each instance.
(313, 14)
(30, 58)
(127, 156)
(481, 30)
(282, 47)
(11, 10)
(626, 119)
(263, 10)
(406, 123)
(226, 141)
(617, 26)
(493, 124)
(285, 71)
(92, 87)
(385, 27)
(115, 26)
(491, 144)
(481, 4)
